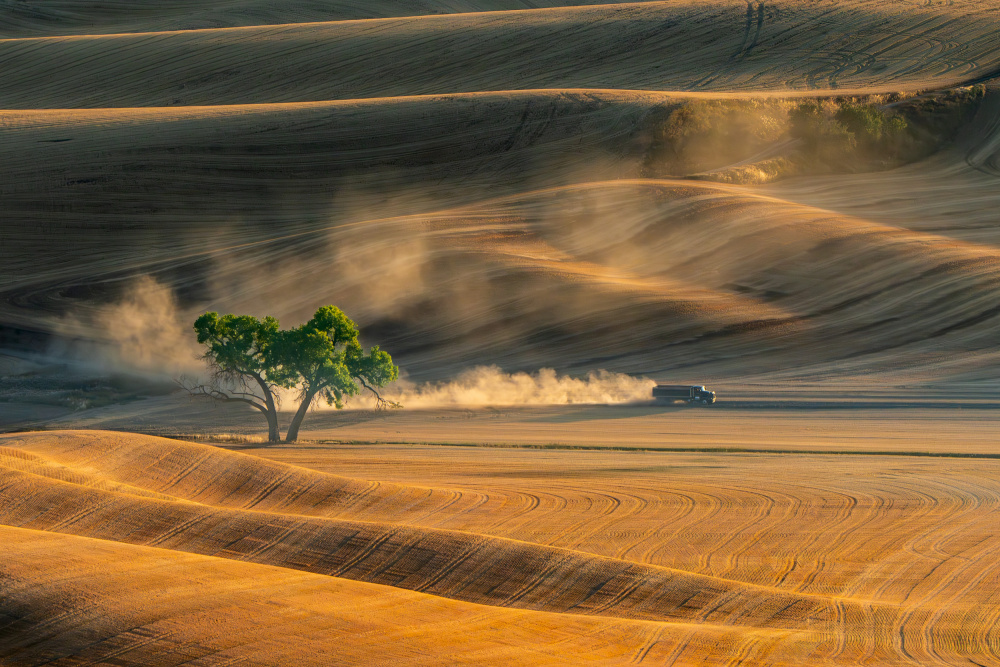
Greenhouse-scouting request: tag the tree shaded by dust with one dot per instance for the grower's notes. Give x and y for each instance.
(824, 139)
(760, 140)
(856, 134)
(866, 134)
(703, 134)
(252, 359)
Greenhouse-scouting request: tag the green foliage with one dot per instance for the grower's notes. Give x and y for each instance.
(376, 368)
(746, 141)
(237, 345)
(701, 135)
(935, 119)
(853, 136)
(878, 133)
(823, 138)
(322, 358)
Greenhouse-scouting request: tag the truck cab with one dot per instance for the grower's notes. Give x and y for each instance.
(695, 394)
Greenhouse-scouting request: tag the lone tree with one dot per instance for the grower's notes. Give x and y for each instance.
(251, 359)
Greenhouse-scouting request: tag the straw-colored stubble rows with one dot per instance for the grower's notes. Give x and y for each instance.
(690, 558)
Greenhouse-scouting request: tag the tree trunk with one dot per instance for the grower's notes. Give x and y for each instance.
(293, 429)
(273, 435)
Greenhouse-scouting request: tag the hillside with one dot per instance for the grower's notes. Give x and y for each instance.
(540, 208)
(437, 140)
(533, 576)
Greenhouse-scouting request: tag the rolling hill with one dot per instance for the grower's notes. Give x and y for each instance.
(794, 195)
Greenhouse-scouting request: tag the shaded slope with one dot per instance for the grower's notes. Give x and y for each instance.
(130, 192)
(690, 274)
(693, 273)
(929, 579)
(174, 470)
(401, 209)
(72, 17)
(273, 170)
(129, 605)
(953, 193)
(851, 44)
(457, 565)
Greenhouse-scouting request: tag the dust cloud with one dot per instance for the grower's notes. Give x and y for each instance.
(143, 332)
(146, 332)
(490, 385)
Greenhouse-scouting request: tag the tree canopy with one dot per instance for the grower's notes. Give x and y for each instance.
(253, 358)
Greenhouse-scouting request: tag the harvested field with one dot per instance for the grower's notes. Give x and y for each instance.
(197, 158)
(682, 558)
(540, 208)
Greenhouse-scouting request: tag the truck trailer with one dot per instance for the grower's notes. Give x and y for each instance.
(695, 394)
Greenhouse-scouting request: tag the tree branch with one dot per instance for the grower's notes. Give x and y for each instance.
(269, 388)
(381, 403)
(205, 391)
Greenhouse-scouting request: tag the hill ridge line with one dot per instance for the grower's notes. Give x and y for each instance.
(388, 19)
(416, 528)
(737, 189)
(671, 94)
(253, 565)
(667, 450)
(847, 224)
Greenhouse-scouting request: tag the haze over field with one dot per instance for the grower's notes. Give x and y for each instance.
(449, 180)
(529, 204)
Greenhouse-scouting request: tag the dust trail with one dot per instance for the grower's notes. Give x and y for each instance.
(490, 385)
(143, 332)
(146, 332)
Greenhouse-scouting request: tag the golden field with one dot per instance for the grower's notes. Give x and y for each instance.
(491, 187)
(158, 551)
